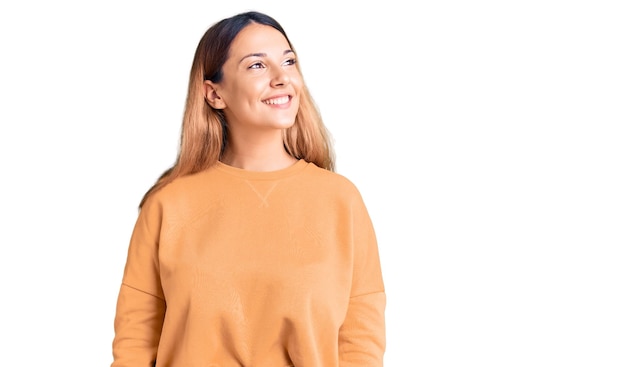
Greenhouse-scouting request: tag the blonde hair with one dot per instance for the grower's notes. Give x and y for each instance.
(204, 132)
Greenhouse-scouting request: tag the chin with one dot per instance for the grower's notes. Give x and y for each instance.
(287, 124)
(286, 121)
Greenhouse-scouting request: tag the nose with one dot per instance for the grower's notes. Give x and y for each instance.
(280, 78)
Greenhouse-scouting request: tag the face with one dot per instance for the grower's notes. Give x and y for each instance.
(261, 86)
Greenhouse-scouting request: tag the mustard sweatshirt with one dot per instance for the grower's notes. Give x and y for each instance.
(233, 268)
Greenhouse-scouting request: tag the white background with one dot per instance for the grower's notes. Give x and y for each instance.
(487, 138)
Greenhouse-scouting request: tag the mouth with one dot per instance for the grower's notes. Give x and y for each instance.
(277, 100)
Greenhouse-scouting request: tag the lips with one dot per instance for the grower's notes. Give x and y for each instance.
(277, 100)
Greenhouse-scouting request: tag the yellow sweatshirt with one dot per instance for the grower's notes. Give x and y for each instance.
(233, 268)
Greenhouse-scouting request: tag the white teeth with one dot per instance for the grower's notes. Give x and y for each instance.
(280, 100)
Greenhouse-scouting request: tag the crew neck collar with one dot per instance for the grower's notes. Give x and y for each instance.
(263, 175)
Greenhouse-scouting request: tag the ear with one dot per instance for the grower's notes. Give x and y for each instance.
(212, 96)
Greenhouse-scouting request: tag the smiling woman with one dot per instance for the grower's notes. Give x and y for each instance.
(250, 250)
(270, 77)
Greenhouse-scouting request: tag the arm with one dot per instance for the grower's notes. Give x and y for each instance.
(141, 305)
(362, 335)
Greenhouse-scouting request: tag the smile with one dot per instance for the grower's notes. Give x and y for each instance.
(279, 100)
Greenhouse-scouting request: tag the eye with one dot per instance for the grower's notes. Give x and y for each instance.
(256, 65)
(290, 61)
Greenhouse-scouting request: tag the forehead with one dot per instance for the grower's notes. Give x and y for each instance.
(258, 38)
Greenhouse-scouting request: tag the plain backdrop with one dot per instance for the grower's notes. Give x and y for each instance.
(487, 138)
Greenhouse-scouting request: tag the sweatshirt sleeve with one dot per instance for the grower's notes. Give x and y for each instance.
(362, 334)
(140, 305)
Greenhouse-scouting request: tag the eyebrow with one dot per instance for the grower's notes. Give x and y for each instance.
(262, 54)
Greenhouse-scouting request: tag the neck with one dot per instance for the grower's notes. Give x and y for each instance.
(263, 155)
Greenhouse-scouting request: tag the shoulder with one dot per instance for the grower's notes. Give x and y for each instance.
(183, 191)
(331, 181)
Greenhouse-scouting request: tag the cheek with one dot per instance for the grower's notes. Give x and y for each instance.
(297, 82)
(244, 91)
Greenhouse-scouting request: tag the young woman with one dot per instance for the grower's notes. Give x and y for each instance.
(251, 251)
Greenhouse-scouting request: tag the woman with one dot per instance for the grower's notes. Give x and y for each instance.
(251, 251)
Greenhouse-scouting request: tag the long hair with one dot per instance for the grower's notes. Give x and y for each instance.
(204, 133)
